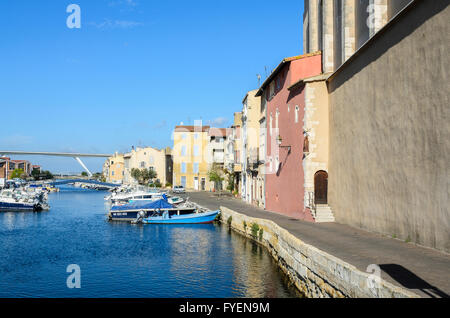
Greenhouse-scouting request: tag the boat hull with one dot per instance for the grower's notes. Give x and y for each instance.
(7, 207)
(194, 218)
(123, 216)
(133, 214)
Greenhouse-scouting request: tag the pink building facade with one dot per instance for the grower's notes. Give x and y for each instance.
(285, 109)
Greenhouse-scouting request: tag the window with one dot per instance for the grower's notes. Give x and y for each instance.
(112, 173)
(271, 120)
(306, 145)
(195, 168)
(183, 151)
(277, 114)
(183, 167)
(183, 181)
(272, 89)
(320, 23)
(196, 136)
(183, 136)
(142, 164)
(196, 151)
(338, 38)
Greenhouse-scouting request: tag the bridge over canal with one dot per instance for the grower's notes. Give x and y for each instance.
(76, 156)
(57, 182)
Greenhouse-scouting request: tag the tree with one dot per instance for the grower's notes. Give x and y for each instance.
(230, 180)
(84, 174)
(46, 175)
(36, 174)
(215, 174)
(18, 173)
(143, 176)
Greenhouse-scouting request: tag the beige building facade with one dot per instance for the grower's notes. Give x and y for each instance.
(146, 158)
(316, 145)
(236, 131)
(252, 189)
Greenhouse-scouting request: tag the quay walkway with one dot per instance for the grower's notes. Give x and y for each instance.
(423, 271)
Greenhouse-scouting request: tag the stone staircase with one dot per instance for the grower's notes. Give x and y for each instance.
(323, 213)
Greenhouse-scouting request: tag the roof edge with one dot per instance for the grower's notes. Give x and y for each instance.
(277, 69)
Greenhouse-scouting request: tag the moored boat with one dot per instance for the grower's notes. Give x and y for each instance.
(130, 211)
(190, 218)
(135, 196)
(23, 199)
(7, 204)
(161, 211)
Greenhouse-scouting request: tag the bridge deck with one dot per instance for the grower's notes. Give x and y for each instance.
(66, 181)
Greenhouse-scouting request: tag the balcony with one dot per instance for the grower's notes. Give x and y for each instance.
(218, 156)
(253, 159)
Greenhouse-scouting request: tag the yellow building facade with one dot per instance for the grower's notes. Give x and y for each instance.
(114, 168)
(190, 157)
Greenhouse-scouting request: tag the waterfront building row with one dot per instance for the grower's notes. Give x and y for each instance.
(7, 167)
(355, 129)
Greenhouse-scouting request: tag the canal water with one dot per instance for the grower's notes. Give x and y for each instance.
(125, 260)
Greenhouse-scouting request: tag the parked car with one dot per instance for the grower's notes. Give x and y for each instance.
(178, 189)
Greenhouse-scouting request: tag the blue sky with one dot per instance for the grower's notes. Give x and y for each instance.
(134, 70)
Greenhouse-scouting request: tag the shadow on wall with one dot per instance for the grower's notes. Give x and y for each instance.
(411, 281)
(397, 29)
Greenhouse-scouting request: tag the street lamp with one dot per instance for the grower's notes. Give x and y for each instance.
(280, 140)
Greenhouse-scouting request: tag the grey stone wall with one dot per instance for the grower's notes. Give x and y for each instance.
(314, 272)
(390, 132)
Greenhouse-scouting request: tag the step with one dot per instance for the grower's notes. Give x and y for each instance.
(324, 214)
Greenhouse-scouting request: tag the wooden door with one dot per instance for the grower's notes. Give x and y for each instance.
(321, 187)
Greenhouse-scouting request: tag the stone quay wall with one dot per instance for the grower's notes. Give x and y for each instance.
(315, 273)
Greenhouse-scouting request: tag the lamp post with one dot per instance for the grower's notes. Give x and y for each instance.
(280, 140)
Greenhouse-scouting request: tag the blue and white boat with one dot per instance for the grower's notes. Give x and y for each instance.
(10, 204)
(22, 200)
(19, 206)
(131, 211)
(160, 211)
(166, 217)
(121, 198)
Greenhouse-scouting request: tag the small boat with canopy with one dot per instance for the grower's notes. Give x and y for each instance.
(161, 212)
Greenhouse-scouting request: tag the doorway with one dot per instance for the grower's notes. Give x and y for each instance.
(321, 187)
(196, 183)
(203, 184)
